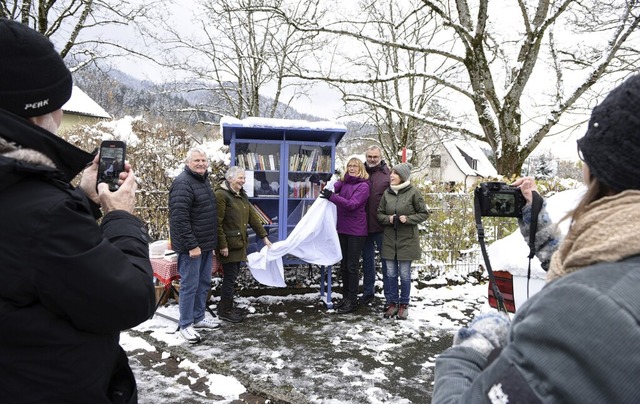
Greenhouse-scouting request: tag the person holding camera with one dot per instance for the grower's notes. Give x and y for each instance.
(401, 209)
(70, 285)
(350, 196)
(576, 340)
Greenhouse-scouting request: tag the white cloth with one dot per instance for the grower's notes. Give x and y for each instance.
(313, 240)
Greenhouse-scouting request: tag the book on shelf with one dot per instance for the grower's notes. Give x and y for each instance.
(260, 162)
(263, 216)
(304, 189)
(305, 207)
(315, 160)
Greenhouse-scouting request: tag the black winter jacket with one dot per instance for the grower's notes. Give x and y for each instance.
(193, 217)
(69, 286)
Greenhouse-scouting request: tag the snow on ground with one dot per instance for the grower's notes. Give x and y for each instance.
(292, 349)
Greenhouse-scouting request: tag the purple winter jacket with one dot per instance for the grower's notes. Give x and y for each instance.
(350, 199)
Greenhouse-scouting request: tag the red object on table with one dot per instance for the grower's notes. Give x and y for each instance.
(166, 271)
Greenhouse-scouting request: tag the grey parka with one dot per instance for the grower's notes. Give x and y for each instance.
(575, 341)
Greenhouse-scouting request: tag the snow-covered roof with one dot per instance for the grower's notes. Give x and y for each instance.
(272, 128)
(458, 148)
(81, 104)
(258, 122)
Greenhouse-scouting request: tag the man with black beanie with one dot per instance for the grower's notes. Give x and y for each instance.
(69, 285)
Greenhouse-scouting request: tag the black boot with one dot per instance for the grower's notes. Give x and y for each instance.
(349, 306)
(226, 311)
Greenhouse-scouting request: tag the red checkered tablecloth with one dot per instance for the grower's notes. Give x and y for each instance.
(166, 271)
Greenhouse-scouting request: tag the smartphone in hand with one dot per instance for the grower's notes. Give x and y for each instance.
(111, 164)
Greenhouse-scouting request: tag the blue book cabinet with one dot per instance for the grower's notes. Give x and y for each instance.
(287, 162)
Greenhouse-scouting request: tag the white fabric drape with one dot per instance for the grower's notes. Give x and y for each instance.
(313, 240)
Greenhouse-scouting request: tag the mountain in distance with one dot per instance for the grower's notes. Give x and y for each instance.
(121, 94)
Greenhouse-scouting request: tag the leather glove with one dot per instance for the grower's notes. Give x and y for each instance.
(326, 193)
(487, 332)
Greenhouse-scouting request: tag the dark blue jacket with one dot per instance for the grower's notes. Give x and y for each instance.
(193, 217)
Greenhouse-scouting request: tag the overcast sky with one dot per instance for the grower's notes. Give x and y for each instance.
(325, 102)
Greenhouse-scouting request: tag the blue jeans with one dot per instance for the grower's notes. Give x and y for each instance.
(373, 242)
(195, 284)
(404, 269)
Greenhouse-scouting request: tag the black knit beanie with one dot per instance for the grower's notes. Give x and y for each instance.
(611, 146)
(33, 78)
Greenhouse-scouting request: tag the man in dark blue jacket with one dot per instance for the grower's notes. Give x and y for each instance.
(69, 285)
(193, 222)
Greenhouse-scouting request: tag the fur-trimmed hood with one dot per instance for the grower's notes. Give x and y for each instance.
(28, 150)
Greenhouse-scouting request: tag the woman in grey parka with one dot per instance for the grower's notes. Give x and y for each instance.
(575, 341)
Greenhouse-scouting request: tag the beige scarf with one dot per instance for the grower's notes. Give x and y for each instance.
(608, 231)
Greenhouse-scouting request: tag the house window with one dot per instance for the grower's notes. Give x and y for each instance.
(471, 162)
(435, 161)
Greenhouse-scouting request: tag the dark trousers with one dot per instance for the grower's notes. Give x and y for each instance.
(231, 271)
(351, 247)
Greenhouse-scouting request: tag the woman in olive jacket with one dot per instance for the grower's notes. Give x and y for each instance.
(234, 214)
(401, 209)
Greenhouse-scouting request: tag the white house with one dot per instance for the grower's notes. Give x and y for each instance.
(459, 161)
(81, 110)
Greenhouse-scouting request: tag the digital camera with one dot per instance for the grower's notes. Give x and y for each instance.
(500, 200)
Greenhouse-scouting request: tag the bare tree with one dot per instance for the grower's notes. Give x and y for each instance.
(239, 53)
(506, 82)
(391, 101)
(81, 28)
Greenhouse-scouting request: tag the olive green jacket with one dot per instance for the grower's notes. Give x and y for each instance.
(234, 214)
(402, 241)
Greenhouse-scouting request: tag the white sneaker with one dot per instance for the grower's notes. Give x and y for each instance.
(206, 323)
(190, 335)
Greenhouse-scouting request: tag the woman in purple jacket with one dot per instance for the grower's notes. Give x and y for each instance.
(350, 197)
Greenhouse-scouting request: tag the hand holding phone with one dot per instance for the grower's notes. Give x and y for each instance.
(122, 199)
(111, 164)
